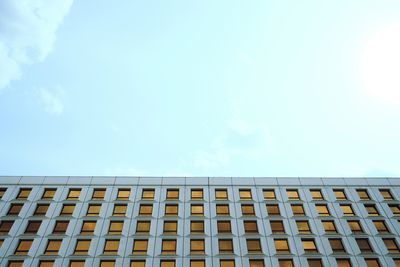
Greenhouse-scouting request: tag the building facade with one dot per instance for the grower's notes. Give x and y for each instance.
(197, 222)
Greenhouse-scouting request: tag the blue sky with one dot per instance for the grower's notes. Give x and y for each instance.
(200, 88)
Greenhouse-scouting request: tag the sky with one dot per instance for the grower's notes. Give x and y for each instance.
(200, 88)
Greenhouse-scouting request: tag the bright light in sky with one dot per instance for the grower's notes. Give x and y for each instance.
(380, 64)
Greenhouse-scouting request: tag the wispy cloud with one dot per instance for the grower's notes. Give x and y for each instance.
(27, 33)
(52, 100)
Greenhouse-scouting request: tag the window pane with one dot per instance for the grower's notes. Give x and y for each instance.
(281, 245)
(73, 194)
(222, 209)
(140, 247)
(386, 194)
(53, 246)
(297, 210)
(197, 246)
(339, 194)
(49, 193)
(24, 193)
(107, 263)
(197, 263)
(141, 263)
(143, 226)
(336, 245)
(116, 227)
(119, 210)
(197, 209)
(82, 247)
(23, 247)
(41, 209)
(168, 246)
(250, 226)
(309, 245)
(76, 263)
(225, 245)
(123, 194)
(269, 194)
(363, 194)
(171, 209)
(197, 193)
(273, 209)
(172, 193)
(170, 227)
(245, 193)
(247, 209)
(322, 210)
(93, 210)
(167, 263)
(355, 226)
(197, 226)
(277, 227)
(67, 209)
(292, 194)
(221, 194)
(253, 245)
(148, 194)
(256, 263)
(88, 227)
(343, 262)
(303, 227)
(224, 226)
(14, 209)
(329, 226)
(145, 209)
(111, 247)
(285, 263)
(227, 263)
(98, 193)
(316, 194)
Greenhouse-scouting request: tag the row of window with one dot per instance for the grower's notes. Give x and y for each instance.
(198, 194)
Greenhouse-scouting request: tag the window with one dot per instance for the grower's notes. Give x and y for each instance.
(148, 193)
(119, 210)
(303, 227)
(197, 246)
(143, 227)
(339, 194)
(314, 263)
(322, 210)
(5, 226)
(336, 245)
(197, 226)
(41, 209)
(381, 227)
(73, 194)
(363, 194)
(82, 247)
(245, 193)
(67, 209)
(111, 247)
(60, 227)
(391, 245)
(224, 226)
(196, 209)
(88, 227)
(23, 247)
(2, 191)
(53, 246)
(170, 227)
(395, 209)
(14, 209)
(372, 262)
(309, 245)
(292, 194)
(256, 263)
(316, 194)
(171, 209)
(253, 245)
(397, 262)
(46, 263)
(99, 193)
(49, 193)
(277, 227)
(371, 209)
(146, 209)
(386, 194)
(15, 263)
(364, 245)
(250, 227)
(115, 227)
(329, 227)
(247, 209)
(168, 246)
(172, 194)
(139, 247)
(343, 262)
(222, 209)
(197, 193)
(93, 210)
(32, 227)
(140, 263)
(123, 194)
(281, 245)
(77, 263)
(347, 210)
(167, 263)
(225, 246)
(355, 226)
(197, 263)
(107, 263)
(269, 194)
(298, 210)
(226, 263)
(273, 209)
(221, 194)
(24, 193)
(285, 263)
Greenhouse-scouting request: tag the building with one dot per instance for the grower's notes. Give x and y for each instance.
(196, 222)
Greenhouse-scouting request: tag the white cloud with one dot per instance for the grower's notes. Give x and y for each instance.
(52, 100)
(27, 33)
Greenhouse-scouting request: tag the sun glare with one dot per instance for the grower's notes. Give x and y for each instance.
(380, 65)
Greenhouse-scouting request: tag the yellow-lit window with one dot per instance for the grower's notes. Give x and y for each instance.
(49, 193)
(395, 209)
(253, 245)
(372, 262)
(225, 245)
(277, 227)
(273, 209)
(343, 263)
(143, 227)
(119, 210)
(148, 193)
(250, 226)
(256, 263)
(111, 247)
(138, 263)
(322, 210)
(364, 245)
(314, 263)
(167, 263)
(281, 245)
(245, 193)
(297, 209)
(197, 209)
(172, 193)
(292, 194)
(53, 246)
(77, 263)
(41, 209)
(60, 227)
(248, 209)
(15, 263)
(73, 193)
(171, 209)
(222, 209)
(224, 226)
(107, 263)
(285, 263)
(316, 194)
(269, 194)
(170, 227)
(309, 245)
(386, 194)
(391, 245)
(82, 247)
(33, 227)
(5, 226)
(93, 210)
(363, 194)
(221, 194)
(329, 227)
(168, 246)
(197, 263)
(372, 210)
(197, 246)
(123, 194)
(197, 194)
(339, 194)
(24, 193)
(23, 247)
(226, 263)
(47, 263)
(381, 226)
(67, 209)
(355, 226)
(115, 227)
(303, 227)
(88, 227)
(99, 193)
(15, 209)
(146, 209)
(197, 227)
(347, 210)
(139, 247)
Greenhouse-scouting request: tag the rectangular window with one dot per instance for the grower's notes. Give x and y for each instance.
(256, 263)
(123, 194)
(107, 263)
(148, 193)
(168, 246)
(315, 263)
(60, 227)
(23, 247)
(226, 263)
(119, 210)
(172, 194)
(115, 227)
(197, 263)
(222, 209)
(53, 246)
(293, 194)
(33, 227)
(49, 193)
(15, 209)
(24, 193)
(355, 226)
(82, 247)
(322, 210)
(347, 210)
(277, 227)
(273, 209)
(303, 227)
(316, 194)
(336, 245)
(364, 245)
(381, 227)
(386, 194)
(221, 194)
(395, 209)
(196, 209)
(143, 227)
(15, 263)
(167, 263)
(171, 209)
(391, 245)
(298, 210)
(248, 210)
(281, 245)
(343, 263)
(250, 227)
(88, 227)
(329, 227)
(5, 226)
(170, 227)
(197, 226)
(225, 245)
(67, 210)
(339, 194)
(111, 247)
(93, 210)
(41, 209)
(146, 209)
(363, 194)
(98, 193)
(269, 194)
(197, 194)
(139, 247)
(253, 245)
(77, 263)
(372, 262)
(224, 226)
(372, 210)
(197, 246)
(138, 263)
(245, 194)
(285, 263)
(309, 245)
(74, 193)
